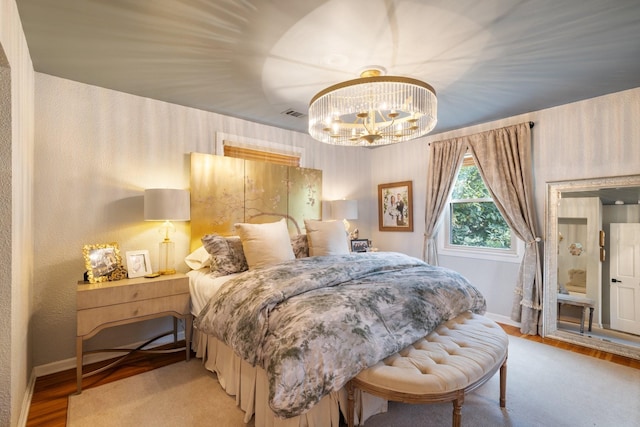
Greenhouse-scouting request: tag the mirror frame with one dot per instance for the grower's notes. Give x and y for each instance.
(549, 312)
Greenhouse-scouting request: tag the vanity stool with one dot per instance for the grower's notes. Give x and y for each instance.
(578, 301)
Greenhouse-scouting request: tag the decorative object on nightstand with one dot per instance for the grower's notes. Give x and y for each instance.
(345, 210)
(359, 245)
(103, 262)
(138, 263)
(166, 204)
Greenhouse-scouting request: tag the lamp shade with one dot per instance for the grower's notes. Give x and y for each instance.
(166, 204)
(344, 209)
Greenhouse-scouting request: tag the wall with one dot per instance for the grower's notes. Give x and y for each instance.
(598, 137)
(16, 212)
(96, 152)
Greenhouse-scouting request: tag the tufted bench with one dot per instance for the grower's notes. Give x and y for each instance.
(458, 357)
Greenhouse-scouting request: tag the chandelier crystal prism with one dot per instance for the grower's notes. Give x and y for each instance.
(373, 110)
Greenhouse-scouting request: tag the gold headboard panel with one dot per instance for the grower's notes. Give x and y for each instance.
(226, 190)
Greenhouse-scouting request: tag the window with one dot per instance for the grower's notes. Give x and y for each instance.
(473, 225)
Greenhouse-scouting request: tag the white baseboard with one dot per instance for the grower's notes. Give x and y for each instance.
(502, 319)
(26, 400)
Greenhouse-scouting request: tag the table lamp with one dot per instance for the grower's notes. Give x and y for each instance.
(345, 210)
(166, 204)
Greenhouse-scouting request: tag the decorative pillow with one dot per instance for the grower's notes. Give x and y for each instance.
(326, 238)
(226, 253)
(198, 259)
(300, 246)
(265, 244)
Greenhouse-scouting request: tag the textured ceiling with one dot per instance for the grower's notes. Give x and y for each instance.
(254, 59)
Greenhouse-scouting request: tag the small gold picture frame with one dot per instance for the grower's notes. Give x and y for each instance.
(101, 260)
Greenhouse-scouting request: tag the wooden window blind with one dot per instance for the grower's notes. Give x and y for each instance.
(263, 156)
(468, 160)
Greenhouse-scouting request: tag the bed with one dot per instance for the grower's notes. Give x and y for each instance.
(286, 322)
(251, 237)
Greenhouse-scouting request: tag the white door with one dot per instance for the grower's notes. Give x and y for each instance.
(625, 277)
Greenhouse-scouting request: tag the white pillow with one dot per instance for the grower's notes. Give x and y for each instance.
(198, 259)
(326, 238)
(265, 244)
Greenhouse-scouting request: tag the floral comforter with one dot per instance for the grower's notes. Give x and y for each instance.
(314, 323)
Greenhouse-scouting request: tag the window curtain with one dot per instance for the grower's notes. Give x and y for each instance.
(504, 160)
(445, 159)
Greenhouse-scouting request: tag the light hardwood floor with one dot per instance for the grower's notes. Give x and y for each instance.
(51, 392)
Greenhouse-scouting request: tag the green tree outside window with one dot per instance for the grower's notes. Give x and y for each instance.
(475, 219)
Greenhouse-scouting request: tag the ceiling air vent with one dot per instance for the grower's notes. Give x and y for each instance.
(293, 113)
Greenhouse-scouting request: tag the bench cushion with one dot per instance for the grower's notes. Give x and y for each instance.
(457, 354)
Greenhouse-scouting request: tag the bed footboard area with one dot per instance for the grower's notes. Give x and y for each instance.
(249, 386)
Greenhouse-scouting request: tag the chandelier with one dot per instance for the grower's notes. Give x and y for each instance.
(373, 110)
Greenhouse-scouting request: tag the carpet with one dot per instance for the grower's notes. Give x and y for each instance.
(546, 386)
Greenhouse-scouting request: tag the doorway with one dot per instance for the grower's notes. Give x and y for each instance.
(624, 277)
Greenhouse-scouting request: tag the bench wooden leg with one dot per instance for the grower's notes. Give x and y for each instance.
(457, 409)
(350, 405)
(503, 384)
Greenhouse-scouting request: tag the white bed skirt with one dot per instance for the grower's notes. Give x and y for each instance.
(250, 387)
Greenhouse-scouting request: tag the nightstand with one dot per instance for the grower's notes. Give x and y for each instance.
(107, 304)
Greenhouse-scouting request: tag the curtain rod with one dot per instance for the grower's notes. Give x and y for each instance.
(531, 124)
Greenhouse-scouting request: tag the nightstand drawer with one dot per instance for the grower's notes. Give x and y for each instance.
(90, 319)
(129, 290)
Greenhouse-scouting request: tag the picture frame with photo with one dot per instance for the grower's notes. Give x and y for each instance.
(359, 245)
(395, 206)
(138, 263)
(101, 260)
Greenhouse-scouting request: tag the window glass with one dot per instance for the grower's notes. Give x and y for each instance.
(475, 219)
(473, 225)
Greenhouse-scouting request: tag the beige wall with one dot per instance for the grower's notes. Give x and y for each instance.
(593, 138)
(96, 151)
(16, 212)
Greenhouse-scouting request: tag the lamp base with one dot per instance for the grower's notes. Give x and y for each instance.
(167, 260)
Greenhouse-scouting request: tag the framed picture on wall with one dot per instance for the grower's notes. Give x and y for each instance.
(138, 263)
(395, 206)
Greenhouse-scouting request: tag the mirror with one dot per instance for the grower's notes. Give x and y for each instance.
(590, 302)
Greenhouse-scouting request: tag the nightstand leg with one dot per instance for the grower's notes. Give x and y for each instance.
(78, 365)
(175, 330)
(187, 335)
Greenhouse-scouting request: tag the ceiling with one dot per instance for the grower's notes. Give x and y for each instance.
(257, 59)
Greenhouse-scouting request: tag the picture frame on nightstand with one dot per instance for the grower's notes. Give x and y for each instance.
(359, 245)
(138, 263)
(101, 260)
